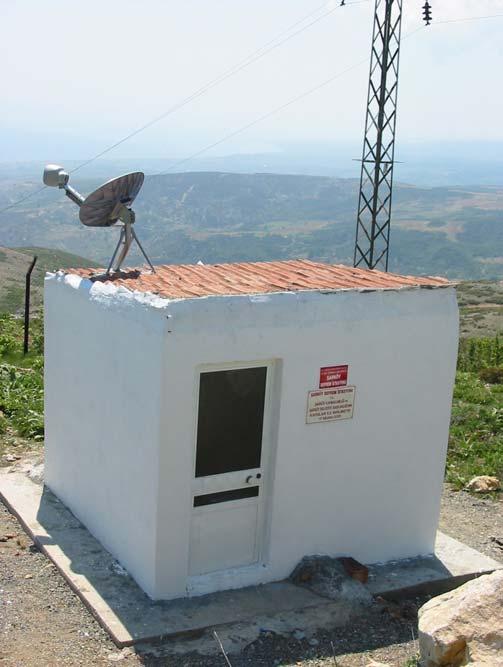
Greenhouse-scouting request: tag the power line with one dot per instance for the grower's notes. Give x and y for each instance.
(178, 163)
(257, 120)
(20, 201)
(469, 18)
(263, 117)
(256, 55)
(242, 64)
(278, 109)
(246, 62)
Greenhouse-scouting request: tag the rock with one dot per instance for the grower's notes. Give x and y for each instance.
(313, 642)
(299, 635)
(405, 610)
(327, 577)
(355, 569)
(28, 576)
(483, 484)
(117, 657)
(378, 664)
(10, 458)
(116, 567)
(265, 632)
(498, 541)
(464, 626)
(22, 542)
(114, 657)
(36, 473)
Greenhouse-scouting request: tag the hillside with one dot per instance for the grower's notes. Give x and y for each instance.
(13, 266)
(480, 308)
(219, 217)
(481, 303)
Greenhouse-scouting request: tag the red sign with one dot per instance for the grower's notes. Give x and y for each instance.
(333, 376)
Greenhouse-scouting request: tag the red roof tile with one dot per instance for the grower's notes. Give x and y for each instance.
(196, 280)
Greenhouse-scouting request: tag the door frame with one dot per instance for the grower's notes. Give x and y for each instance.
(268, 451)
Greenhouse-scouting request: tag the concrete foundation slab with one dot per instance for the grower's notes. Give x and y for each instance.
(129, 616)
(452, 564)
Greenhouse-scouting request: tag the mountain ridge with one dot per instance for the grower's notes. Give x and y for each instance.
(14, 263)
(224, 216)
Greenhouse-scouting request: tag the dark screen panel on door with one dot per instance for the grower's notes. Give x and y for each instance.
(230, 420)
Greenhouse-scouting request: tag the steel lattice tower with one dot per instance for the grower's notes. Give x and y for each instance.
(376, 181)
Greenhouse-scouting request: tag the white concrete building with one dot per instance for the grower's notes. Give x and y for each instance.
(212, 425)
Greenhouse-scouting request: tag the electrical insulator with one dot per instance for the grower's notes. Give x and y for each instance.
(427, 13)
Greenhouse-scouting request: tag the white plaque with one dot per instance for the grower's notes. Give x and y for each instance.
(330, 405)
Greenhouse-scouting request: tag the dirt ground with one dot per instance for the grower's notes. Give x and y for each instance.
(43, 623)
(476, 521)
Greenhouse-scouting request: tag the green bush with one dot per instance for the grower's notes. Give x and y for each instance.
(10, 341)
(21, 378)
(468, 391)
(477, 353)
(413, 661)
(492, 375)
(12, 335)
(22, 399)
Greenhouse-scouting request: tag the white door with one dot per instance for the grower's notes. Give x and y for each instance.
(232, 447)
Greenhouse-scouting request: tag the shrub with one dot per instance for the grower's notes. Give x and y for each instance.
(22, 399)
(10, 341)
(492, 375)
(478, 353)
(413, 661)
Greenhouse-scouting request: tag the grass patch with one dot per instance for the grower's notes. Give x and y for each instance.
(22, 399)
(476, 435)
(413, 661)
(12, 299)
(21, 379)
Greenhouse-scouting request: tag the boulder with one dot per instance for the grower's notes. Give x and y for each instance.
(464, 626)
(483, 484)
(327, 577)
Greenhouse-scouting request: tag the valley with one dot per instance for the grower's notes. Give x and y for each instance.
(222, 217)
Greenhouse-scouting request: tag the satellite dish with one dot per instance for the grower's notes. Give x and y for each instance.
(106, 206)
(100, 209)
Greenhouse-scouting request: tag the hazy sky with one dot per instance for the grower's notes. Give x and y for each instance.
(77, 76)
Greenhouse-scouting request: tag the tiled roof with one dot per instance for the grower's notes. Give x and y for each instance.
(196, 280)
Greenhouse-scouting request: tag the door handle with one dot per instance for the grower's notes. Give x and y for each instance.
(251, 477)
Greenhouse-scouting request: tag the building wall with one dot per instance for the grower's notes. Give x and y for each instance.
(369, 487)
(121, 391)
(103, 357)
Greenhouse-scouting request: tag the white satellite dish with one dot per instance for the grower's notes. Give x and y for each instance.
(106, 206)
